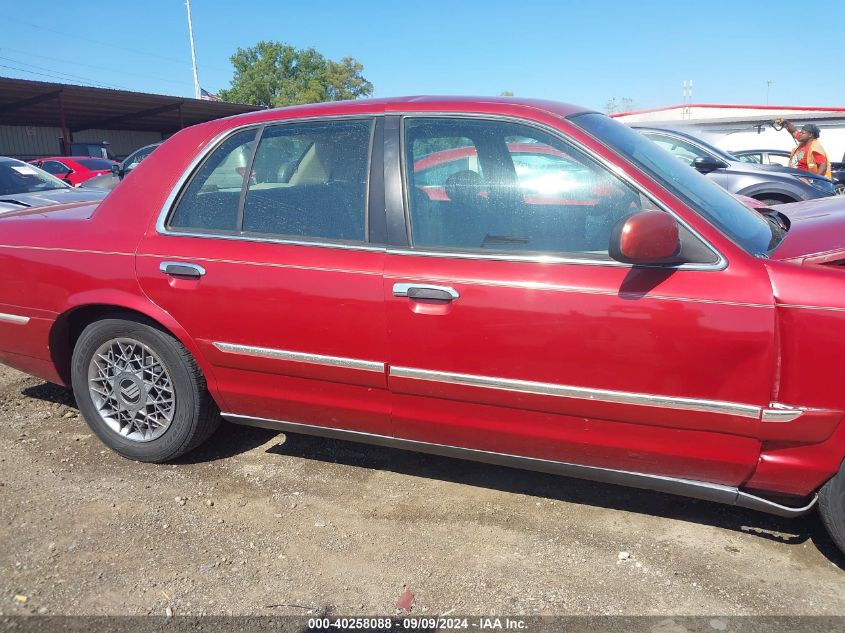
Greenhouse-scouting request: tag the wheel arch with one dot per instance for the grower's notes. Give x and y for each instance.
(70, 324)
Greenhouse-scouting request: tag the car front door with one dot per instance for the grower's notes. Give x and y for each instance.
(512, 332)
(265, 259)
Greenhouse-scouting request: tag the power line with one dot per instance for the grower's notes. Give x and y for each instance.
(78, 63)
(32, 72)
(60, 74)
(107, 44)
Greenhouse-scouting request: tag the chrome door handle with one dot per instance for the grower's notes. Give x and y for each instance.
(425, 291)
(182, 269)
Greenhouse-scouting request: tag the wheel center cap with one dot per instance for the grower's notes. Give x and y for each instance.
(130, 391)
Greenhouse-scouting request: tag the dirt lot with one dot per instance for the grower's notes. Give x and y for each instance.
(259, 523)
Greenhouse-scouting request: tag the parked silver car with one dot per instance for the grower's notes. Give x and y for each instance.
(23, 186)
(112, 180)
(769, 183)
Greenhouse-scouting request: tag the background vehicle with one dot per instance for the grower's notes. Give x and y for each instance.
(23, 186)
(94, 150)
(763, 156)
(839, 177)
(769, 183)
(74, 170)
(289, 267)
(118, 172)
(781, 157)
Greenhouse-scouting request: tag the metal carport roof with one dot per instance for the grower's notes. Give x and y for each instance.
(77, 108)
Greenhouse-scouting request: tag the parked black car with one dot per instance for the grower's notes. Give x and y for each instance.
(769, 183)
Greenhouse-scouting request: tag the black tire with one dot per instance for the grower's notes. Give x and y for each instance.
(832, 507)
(195, 416)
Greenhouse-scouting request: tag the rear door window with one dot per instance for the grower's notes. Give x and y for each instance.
(309, 180)
(211, 199)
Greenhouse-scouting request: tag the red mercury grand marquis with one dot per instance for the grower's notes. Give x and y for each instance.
(593, 308)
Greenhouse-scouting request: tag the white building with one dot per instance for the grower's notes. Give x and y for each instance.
(738, 127)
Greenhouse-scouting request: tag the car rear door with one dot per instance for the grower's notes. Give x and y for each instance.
(264, 256)
(512, 332)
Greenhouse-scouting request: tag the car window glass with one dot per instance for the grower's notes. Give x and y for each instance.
(135, 159)
(750, 158)
(17, 177)
(211, 199)
(95, 164)
(530, 192)
(743, 225)
(54, 167)
(440, 157)
(776, 159)
(679, 148)
(309, 180)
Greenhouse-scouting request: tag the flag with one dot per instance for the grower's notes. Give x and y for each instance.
(205, 95)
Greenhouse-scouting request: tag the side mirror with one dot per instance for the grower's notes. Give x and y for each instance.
(647, 237)
(706, 164)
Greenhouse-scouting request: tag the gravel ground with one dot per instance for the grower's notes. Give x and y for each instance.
(256, 522)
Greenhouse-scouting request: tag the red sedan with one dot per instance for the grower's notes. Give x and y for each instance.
(288, 269)
(74, 170)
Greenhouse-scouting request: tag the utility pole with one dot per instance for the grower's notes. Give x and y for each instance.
(768, 86)
(197, 92)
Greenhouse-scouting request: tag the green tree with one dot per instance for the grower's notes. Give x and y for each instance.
(275, 74)
(506, 93)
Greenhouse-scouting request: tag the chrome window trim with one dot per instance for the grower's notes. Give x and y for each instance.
(13, 318)
(312, 359)
(580, 393)
(696, 489)
(720, 264)
(216, 141)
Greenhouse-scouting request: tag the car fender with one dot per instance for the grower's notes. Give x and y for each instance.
(119, 299)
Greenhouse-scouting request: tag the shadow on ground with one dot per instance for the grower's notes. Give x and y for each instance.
(569, 490)
(230, 440)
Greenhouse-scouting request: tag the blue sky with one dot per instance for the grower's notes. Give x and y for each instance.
(581, 52)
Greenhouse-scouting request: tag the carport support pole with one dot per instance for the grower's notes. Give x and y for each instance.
(66, 138)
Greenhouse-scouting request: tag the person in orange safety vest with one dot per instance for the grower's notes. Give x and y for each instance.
(809, 155)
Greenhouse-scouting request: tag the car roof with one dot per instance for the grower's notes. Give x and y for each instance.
(490, 105)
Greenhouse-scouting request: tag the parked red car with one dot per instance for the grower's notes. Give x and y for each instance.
(286, 268)
(74, 170)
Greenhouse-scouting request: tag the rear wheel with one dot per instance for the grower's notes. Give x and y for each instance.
(832, 507)
(140, 390)
(840, 189)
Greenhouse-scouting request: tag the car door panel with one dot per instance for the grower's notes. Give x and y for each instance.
(285, 309)
(292, 332)
(587, 362)
(578, 370)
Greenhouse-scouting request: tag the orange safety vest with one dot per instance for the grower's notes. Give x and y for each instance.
(813, 146)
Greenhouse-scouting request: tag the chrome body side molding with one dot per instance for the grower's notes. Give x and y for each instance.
(14, 318)
(683, 487)
(299, 357)
(777, 412)
(582, 393)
